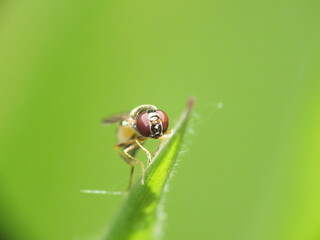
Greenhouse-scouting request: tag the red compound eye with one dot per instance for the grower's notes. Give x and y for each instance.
(143, 124)
(165, 120)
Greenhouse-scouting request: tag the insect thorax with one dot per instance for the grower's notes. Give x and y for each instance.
(134, 114)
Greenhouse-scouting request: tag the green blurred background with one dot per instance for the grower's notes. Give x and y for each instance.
(252, 167)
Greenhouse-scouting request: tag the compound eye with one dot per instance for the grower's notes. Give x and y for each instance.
(164, 119)
(143, 124)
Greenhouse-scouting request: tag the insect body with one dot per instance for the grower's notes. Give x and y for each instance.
(143, 122)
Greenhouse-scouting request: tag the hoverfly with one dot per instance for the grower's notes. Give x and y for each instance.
(142, 123)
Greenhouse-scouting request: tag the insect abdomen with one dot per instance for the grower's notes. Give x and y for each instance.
(125, 133)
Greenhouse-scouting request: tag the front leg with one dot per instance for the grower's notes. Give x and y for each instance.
(145, 150)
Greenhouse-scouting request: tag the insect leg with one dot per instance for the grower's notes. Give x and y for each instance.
(126, 150)
(130, 162)
(168, 134)
(145, 150)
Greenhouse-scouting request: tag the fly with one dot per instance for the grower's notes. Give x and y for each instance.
(142, 123)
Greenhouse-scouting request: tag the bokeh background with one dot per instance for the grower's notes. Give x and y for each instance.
(252, 170)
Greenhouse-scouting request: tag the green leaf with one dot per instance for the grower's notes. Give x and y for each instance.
(140, 215)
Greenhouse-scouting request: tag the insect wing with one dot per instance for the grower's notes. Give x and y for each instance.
(115, 118)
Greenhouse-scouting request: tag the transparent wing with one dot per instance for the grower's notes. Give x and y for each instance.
(115, 118)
